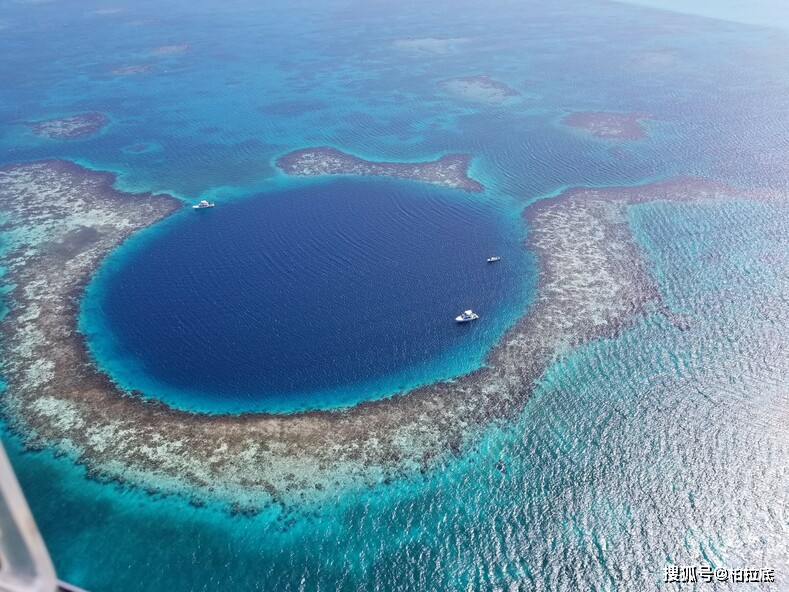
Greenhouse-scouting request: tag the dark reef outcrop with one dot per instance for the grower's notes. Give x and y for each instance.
(132, 70)
(170, 49)
(70, 127)
(449, 171)
(608, 125)
(480, 88)
(432, 46)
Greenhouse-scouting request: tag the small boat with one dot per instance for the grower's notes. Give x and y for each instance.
(204, 204)
(493, 259)
(466, 316)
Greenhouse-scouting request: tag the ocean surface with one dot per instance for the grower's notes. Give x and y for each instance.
(657, 446)
(766, 13)
(320, 295)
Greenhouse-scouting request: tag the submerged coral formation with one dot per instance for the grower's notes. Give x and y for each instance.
(63, 220)
(170, 49)
(72, 126)
(429, 45)
(449, 170)
(607, 125)
(478, 88)
(132, 70)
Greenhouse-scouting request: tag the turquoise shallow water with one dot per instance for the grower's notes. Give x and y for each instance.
(657, 446)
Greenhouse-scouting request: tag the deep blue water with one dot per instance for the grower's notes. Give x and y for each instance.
(315, 296)
(656, 446)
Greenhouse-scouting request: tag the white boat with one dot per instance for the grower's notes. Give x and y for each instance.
(466, 316)
(204, 204)
(493, 259)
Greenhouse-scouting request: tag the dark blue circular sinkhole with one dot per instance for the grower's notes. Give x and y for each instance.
(315, 296)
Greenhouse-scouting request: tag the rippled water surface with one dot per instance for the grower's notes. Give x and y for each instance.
(316, 296)
(657, 446)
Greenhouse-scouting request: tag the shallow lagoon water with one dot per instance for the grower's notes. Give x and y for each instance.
(655, 446)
